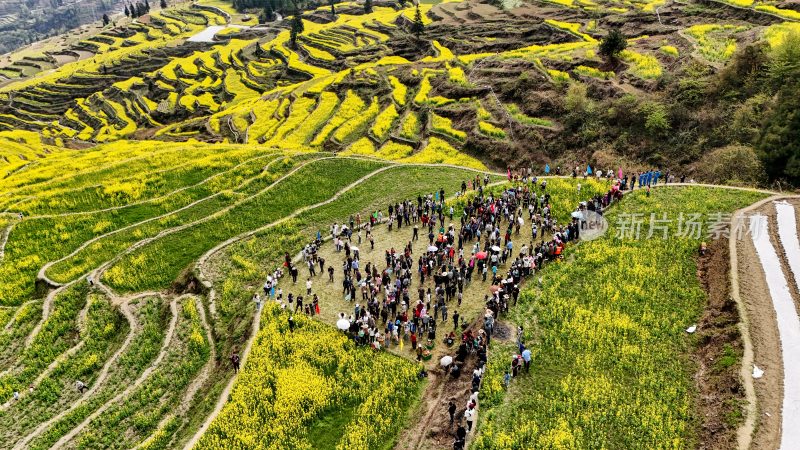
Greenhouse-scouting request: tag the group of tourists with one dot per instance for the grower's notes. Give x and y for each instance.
(390, 308)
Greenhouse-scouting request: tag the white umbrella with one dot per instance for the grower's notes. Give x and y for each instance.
(433, 248)
(495, 248)
(576, 214)
(446, 361)
(343, 324)
(355, 249)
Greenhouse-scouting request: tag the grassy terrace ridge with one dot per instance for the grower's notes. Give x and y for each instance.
(38, 240)
(105, 248)
(152, 315)
(156, 265)
(175, 175)
(611, 361)
(104, 331)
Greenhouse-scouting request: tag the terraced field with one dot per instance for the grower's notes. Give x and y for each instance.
(144, 345)
(154, 174)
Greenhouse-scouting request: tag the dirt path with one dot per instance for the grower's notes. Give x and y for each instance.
(142, 378)
(760, 337)
(431, 400)
(47, 305)
(13, 320)
(696, 51)
(431, 429)
(4, 240)
(42, 275)
(153, 199)
(223, 398)
(197, 383)
(134, 330)
(201, 378)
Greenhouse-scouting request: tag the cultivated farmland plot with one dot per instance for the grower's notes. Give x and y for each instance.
(322, 230)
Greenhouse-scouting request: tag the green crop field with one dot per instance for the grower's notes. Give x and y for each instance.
(158, 169)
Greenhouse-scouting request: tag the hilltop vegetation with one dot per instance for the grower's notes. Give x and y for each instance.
(521, 86)
(154, 173)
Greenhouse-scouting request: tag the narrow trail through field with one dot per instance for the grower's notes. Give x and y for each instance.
(47, 306)
(97, 274)
(42, 275)
(81, 325)
(431, 402)
(46, 372)
(13, 320)
(4, 240)
(788, 324)
(198, 382)
(226, 392)
(134, 328)
(141, 379)
(153, 199)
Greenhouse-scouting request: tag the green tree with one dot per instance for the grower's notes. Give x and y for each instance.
(779, 143)
(418, 26)
(737, 164)
(333, 8)
(163, 4)
(656, 118)
(106, 20)
(613, 44)
(297, 28)
(367, 6)
(127, 13)
(267, 15)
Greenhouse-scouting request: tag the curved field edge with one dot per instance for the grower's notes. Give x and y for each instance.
(241, 266)
(606, 330)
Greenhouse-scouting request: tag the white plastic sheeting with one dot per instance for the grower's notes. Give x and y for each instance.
(788, 330)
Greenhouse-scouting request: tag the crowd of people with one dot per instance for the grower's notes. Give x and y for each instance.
(407, 298)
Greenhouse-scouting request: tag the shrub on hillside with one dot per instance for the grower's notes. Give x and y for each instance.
(732, 164)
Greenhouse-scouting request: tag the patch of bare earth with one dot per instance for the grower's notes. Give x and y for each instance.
(432, 429)
(718, 353)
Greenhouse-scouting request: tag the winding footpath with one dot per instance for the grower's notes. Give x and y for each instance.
(4, 240)
(123, 303)
(133, 331)
(142, 378)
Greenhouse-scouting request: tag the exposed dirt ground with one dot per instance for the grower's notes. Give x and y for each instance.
(766, 342)
(332, 300)
(431, 420)
(718, 353)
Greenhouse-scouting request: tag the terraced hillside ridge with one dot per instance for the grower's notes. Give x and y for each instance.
(499, 82)
(172, 184)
